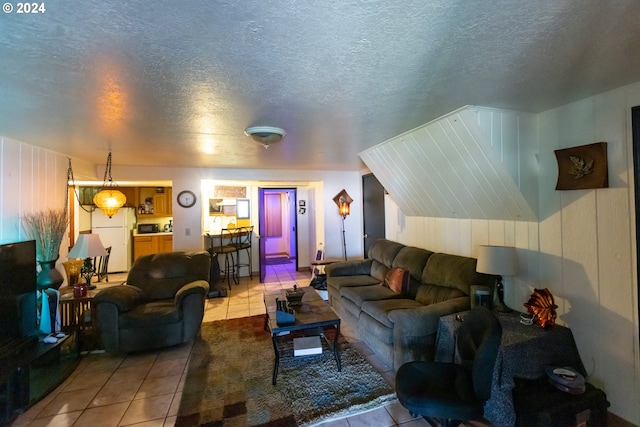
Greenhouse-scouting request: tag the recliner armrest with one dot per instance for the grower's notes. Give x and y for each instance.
(422, 321)
(200, 287)
(125, 297)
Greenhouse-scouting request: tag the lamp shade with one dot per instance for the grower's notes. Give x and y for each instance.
(345, 209)
(499, 260)
(87, 246)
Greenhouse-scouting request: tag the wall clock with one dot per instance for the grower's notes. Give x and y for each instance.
(186, 198)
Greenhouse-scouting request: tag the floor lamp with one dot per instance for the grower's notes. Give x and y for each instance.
(343, 200)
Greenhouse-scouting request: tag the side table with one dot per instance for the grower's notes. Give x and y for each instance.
(524, 352)
(79, 312)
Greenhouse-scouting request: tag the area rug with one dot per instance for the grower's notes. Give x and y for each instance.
(229, 381)
(277, 260)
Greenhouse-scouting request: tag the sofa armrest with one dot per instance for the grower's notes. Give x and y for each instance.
(124, 297)
(422, 321)
(197, 287)
(415, 330)
(349, 268)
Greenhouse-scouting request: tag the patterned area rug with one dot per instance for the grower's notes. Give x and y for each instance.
(229, 380)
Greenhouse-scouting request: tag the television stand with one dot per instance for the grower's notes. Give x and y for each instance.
(32, 370)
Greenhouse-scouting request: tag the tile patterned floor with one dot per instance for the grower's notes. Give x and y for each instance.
(144, 390)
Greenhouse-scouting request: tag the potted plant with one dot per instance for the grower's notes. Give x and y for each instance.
(47, 228)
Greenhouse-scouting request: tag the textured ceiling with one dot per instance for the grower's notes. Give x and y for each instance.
(176, 82)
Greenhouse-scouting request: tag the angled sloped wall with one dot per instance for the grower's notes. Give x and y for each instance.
(475, 162)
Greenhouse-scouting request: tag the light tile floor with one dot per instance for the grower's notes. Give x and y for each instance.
(144, 390)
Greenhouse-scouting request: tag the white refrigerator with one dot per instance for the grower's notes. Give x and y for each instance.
(115, 232)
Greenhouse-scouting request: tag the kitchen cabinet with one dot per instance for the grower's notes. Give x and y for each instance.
(158, 198)
(147, 244)
(131, 193)
(162, 203)
(165, 243)
(86, 195)
(144, 245)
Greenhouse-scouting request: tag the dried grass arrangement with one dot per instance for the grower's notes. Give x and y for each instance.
(47, 228)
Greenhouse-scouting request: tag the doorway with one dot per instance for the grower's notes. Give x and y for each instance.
(373, 215)
(278, 243)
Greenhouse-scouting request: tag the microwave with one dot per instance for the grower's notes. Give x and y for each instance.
(148, 228)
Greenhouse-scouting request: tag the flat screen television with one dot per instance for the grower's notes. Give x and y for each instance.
(18, 299)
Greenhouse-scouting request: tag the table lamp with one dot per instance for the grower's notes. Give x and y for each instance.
(88, 247)
(498, 260)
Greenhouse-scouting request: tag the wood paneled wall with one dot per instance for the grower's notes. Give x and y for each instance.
(582, 248)
(465, 164)
(31, 179)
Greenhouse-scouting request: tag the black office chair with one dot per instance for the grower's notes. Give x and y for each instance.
(450, 392)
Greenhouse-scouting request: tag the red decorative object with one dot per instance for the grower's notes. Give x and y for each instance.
(542, 306)
(80, 290)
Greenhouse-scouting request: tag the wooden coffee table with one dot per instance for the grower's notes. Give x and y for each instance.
(314, 313)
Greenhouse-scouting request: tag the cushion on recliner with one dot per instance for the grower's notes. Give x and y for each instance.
(359, 294)
(454, 271)
(380, 310)
(125, 297)
(161, 275)
(432, 294)
(342, 282)
(154, 313)
(412, 259)
(384, 251)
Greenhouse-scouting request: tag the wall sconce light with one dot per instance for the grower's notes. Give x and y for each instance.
(343, 200)
(109, 199)
(344, 208)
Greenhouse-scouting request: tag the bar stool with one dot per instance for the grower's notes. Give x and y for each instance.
(224, 245)
(243, 242)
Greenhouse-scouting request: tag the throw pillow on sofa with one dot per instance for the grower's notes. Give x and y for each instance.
(397, 279)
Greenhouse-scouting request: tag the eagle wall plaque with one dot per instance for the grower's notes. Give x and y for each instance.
(582, 167)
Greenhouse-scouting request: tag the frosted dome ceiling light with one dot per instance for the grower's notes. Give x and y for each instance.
(265, 135)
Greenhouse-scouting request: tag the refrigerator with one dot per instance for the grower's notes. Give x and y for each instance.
(116, 232)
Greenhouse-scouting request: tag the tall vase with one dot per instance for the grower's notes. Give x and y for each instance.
(49, 276)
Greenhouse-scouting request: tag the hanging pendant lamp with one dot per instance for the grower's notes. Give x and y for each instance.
(109, 199)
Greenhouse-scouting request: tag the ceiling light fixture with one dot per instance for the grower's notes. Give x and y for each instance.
(265, 135)
(109, 199)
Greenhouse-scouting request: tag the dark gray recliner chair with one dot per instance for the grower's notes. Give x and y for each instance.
(161, 304)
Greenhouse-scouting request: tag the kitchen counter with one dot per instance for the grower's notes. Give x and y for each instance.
(160, 233)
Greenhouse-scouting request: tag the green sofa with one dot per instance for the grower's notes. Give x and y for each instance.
(402, 328)
(161, 304)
